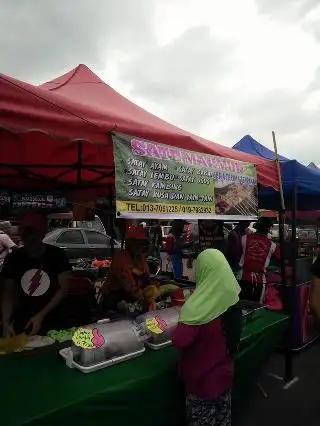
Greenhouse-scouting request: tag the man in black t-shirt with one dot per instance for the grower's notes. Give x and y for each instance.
(35, 279)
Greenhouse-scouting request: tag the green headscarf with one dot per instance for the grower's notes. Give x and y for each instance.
(216, 289)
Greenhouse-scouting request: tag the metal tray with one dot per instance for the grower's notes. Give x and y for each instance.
(65, 353)
(155, 347)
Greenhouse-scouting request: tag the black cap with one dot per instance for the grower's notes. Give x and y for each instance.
(264, 223)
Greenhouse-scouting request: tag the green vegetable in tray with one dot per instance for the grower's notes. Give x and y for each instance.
(167, 289)
(61, 335)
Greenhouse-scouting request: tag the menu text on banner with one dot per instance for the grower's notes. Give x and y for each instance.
(163, 182)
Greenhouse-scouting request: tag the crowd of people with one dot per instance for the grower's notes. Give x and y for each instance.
(35, 280)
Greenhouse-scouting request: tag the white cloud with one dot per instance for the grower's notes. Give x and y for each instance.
(286, 10)
(252, 72)
(219, 69)
(40, 39)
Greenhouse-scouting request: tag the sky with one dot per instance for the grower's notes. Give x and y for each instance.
(220, 69)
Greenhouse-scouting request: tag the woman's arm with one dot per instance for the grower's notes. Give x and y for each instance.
(7, 242)
(184, 335)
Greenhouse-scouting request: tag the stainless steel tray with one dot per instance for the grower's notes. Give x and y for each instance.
(159, 346)
(66, 354)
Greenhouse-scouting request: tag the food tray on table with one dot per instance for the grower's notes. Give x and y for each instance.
(103, 344)
(67, 355)
(166, 320)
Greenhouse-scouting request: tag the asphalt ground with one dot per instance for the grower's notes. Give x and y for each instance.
(299, 405)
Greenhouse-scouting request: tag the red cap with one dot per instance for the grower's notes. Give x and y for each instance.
(136, 233)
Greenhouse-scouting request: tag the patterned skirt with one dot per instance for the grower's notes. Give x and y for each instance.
(209, 412)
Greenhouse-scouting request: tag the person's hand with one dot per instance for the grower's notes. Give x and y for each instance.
(34, 324)
(7, 330)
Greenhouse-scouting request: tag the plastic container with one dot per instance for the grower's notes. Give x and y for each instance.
(169, 317)
(120, 340)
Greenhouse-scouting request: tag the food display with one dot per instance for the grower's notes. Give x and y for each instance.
(157, 295)
(103, 344)
(23, 342)
(159, 325)
(236, 199)
(13, 344)
(106, 263)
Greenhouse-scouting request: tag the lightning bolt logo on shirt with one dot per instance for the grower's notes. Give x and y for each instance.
(35, 282)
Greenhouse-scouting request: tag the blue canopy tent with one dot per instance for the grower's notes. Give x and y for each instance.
(295, 176)
(249, 145)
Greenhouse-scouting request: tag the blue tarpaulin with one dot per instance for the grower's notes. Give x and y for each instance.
(251, 146)
(293, 173)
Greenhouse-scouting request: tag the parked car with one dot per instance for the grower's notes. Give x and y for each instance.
(79, 243)
(94, 225)
(65, 220)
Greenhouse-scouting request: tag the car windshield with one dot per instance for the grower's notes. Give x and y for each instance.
(94, 225)
(52, 234)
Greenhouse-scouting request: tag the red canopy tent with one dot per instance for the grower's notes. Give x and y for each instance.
(59, 133)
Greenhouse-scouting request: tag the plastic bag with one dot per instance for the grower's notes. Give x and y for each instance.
(273, 299)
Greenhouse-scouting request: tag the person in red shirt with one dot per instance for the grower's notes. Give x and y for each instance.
(257, 252)
(128, 273)
(207, 338)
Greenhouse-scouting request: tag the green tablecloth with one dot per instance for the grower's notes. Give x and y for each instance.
(38, 389)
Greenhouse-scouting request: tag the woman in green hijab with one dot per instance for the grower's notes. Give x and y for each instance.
(207, 337)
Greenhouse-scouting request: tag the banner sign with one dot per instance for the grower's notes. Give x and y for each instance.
(32, 200)
(164, 182)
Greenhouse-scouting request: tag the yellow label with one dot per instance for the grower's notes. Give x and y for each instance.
(155, 325)
(88, 339)
(146, 207)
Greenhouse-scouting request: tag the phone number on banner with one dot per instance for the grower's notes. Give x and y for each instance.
(140, 207)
